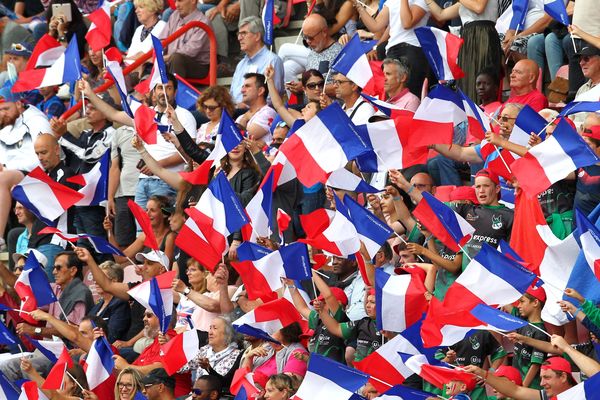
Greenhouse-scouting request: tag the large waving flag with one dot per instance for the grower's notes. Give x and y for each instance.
(331, 231)
(159, 70)
(8, 390)
(269, 20)
(30, 391)
(143, 220)
(528, 121)
(99, 363)
(346, 180)
(438, 376)
(67, 68)
(391, 110)
(268, 318)
(222, 213)
(553, 160)
(324, 144)
(45, 53)
(519, 13)
(557, 10)
(100, 244)
(371, 230)
(228, 138)
(191, 240)
(497, 320)
(44, 197)
(580, 106)
(259, 209)
(352, 61)
(441, 49)
(400, 300)
(586, 390)
(181, 349)
(477, 120)
(33, 288)
(263, 276)
(447, 325)
(95, 183)
(436, 117)
(52, 349)
(327, 379)
(100, 31)
(157, 295)
(443, 222)
(56, 376)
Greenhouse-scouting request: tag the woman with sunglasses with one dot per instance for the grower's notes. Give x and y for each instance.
(212, 102)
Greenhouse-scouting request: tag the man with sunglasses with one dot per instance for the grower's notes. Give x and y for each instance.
(159, 385)
(589, 61)
(207, 387)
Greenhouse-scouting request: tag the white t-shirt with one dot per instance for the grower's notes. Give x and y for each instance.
(263, 118)
(137, 46)
(397, 32)
(535, 11)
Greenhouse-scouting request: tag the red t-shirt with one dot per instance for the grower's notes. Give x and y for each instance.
(534, 99)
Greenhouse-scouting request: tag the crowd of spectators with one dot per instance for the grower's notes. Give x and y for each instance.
(505, 70)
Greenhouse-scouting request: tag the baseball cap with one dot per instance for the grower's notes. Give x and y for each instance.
(592, 132)
(338, 293)
(155, 256)
(537, 292)
(557, 364)
(588, 50)
(42, 259)
(464, 193)
(7, 96)
(157, 376)
(509, 372)
(19, 49)
(488, 173)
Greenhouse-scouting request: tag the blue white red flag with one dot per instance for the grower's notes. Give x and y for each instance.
(528, 121)
(400, 392)
(99, 363)
(30, 391)
(6, 336)
(477, 120)
(44, 197)
(33, 288)
(67, 68)
(586, 390)
(497, 320)
(352, 61)
(324, 144)
(180, 350)
(436, 375)
(52, 349)
(371, 230)
(519, 13)
(228, 138)
(553, 160)
(400, 300)
(95, 182)
(557, 10)
(580, 106)
(263, 276)
(56, 377)
(251, 251)
(259, 210)
(391, 110)
(157, 295)
(269, 19)
(100, 31)
(346, 180)
(100, 244)
(444, 223)
(8, 391)
(268, 318)
(45, 53)
(589, 237)
(159, 70)
(447, 325)
(191, 240)
(327, 379)
(186, 95)
(441, 49)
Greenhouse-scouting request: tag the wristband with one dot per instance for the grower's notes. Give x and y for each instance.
(186, 291)
(410, 189)
(576, 312)
(290, 287)
(397, 198)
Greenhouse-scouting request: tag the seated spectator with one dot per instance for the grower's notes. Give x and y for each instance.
(51, 105)
(148, 14)
(487, 85)
(61, 29)
(188, 55)
(158, 385)
(395, 77)
(514, 43)
(257, 57)
(312, 86)
(257, 120)
(212, 102)
(129, 382)
(207, 387)
(25, 218)
(356, 107)
(547, 47)
(16, 58)
(589, 62)
(280, 387)
(523, 81)
(587, 196)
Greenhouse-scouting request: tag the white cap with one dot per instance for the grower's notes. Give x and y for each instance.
(155, 256)
(42, 259)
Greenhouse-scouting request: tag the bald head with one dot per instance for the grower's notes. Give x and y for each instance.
(47, 150)
(314, 32)
(315, 21)
(592, 119)
(523, 77)
(423, 182)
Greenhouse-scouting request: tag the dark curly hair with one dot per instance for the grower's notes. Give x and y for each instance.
(220, 95)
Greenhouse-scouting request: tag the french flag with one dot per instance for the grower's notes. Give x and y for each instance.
(586, 390)
(580, 106)
(497, 320)
(436, 117)
(268, 318)
(385, 364)
(180, 350)
(157, 295)
(252, 251)
(143, 221)
(589, 237)
(30, 391)
(243, 386)
(223, 213)
(52, 349)
(498, 159)
(327, 142)
(67, 68)
(490, 278)
(441, 49)
(478, 122)
(33, 288)
(527, 121)
(269, 19)
(371, 230)
(436, 375)
(100, 244)
(553, 160)
(100, 31)
(327, 379)
(263, 276)
(191, 240)
(44, 197)
(259, 209)
(99, 363)
(400, 300)
(400, 392)
(45, 53)
(352, 61)
(95, 183)
(446, 225)
(8, 390)
(6, 336)
(519, 14)
(186, 95)
(346, 180)
(56, 376)
(557, 10)
(391, 110)
(228, 138)
(331, 231)
(392, 144)
(159, 70)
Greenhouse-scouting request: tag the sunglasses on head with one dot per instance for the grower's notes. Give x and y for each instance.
(17, 47)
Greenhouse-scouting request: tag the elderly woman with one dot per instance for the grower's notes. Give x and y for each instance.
(220, 357)
(148, 13)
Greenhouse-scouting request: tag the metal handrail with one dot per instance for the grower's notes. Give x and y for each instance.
(212, 73)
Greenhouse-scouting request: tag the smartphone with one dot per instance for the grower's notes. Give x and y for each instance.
(64, 10)
(140, 164)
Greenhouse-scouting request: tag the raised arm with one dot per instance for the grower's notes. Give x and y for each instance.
(504, 386)
(457, 153)
(299, 302)
(443, 14)
(330, 323)
(109, 112)
(410, 15)
(587, 365)
(276, 99)
(67, 331)
(117, 289)
(173, 179)
(377, 24)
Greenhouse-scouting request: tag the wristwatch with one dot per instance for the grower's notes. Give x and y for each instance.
(186, 291)
(38, 331)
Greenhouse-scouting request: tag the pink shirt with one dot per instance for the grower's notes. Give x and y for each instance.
(293, 365)
(534, 99)
(405, 99)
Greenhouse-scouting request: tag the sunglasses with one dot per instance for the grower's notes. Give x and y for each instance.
(197, 392)
(585, 59)
(315, 85)
(588, 131)
(281, 124)
(210, 108)
(505, 119)
(311, 38)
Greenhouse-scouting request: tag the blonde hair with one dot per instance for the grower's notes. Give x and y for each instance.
(136, 378)
(154, 6)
